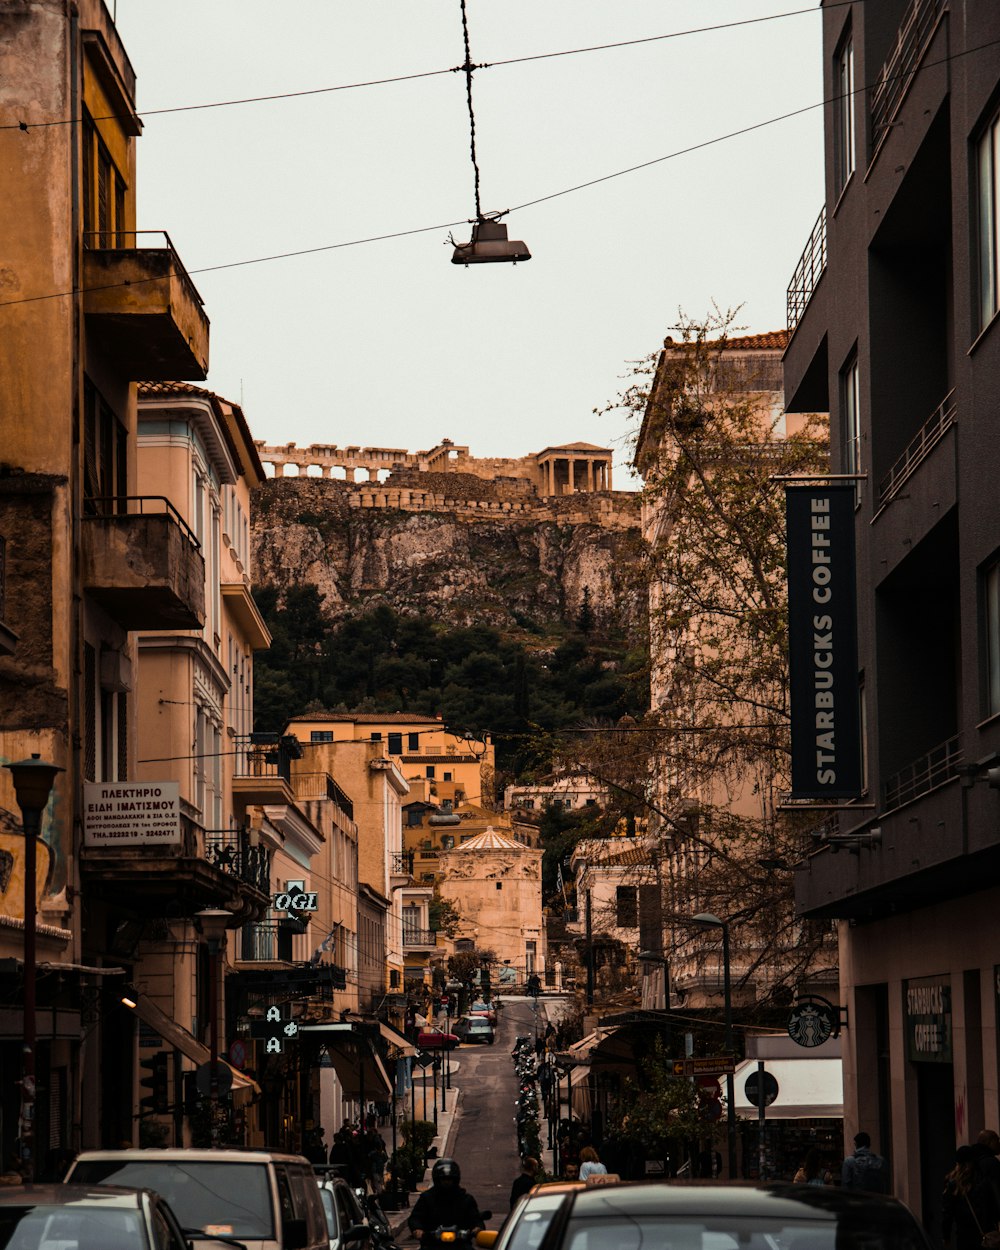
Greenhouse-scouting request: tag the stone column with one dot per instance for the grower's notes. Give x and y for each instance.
(279, 468)
(325, 470)
(590, 474)
(571, 474)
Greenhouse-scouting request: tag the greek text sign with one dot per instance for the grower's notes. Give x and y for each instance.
(822, 642)
(927, 1007)
(145, 813)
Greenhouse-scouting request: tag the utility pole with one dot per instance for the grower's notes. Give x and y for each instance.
(590, 950)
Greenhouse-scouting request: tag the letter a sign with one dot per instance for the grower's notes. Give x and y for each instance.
(822, 642)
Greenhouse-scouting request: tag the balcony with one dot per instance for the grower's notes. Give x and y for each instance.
(142, 308)
(930, 771)
(210, 868)
(400, 870)
(929, 435)
(419, 939)
(259, 942)
(912, 40)
(142, 563)
(262, 768)
(807, 273)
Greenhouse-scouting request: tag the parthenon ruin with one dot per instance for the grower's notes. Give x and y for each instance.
(564, 470)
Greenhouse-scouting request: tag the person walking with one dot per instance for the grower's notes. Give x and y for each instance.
(526, 1179)
(590, 1163)
(969, 1204)
(865, 1169)
(812, 1171)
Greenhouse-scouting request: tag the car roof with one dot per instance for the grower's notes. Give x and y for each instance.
(176, 1155)
(774, 1201)
(71, 1195)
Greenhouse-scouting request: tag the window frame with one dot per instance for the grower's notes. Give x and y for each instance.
(845, 139)
(989, 598)
(987, 207)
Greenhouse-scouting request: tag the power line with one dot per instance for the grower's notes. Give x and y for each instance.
(432, 73)
(399, 234)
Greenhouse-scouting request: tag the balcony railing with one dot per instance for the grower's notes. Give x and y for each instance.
(930, 434)
(807, 273)
(914, 34)
(925, 774)
(419, 937)
(322, 786)
(402, 865)
(96, 507)
(266, 755)
(230, 851)
(259, 942)
(129, 240)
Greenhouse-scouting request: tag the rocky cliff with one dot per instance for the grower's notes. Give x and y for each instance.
(461, 555)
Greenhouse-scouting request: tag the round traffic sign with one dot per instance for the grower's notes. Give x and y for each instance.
(238, 1054)
(223, 1078)
(752, 1086)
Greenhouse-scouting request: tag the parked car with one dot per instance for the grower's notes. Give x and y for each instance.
(708, 1215)
(474, 1029)
(84, 1217)
(484, 1009)
(436, 1039)
(263, 1199)
(346, 1223)
(530, 1218)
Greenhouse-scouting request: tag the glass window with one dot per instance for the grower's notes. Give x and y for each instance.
(430, 771)
(413, 742)
(988, 183)
(321, 735)
(395, 744)
(991, 623)
(851, 421)
(843, 105)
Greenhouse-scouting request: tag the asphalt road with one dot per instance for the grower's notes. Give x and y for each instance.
(485, 1141)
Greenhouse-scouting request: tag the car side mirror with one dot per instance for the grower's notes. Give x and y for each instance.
(486, 1238)
(296, 1235)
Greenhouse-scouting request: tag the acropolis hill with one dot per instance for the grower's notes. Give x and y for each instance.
(495, 539)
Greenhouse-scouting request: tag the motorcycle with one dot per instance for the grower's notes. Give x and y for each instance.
(452, 1237)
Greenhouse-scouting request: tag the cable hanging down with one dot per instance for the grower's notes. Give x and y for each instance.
(489, 243)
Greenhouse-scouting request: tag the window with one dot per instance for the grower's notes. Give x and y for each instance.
(991, 628)
(843, 113)
(447, 776)
(396, 744)
(105, 453)
(321, 735)
(988, 202)
(851, 421)
(104, 193)
(413, 742)
(376, 737)
(626, 906)
(430, 771)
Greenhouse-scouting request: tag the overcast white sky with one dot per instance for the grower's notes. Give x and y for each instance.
(388, 343)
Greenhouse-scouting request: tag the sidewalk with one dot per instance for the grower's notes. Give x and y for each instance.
(446, 1130)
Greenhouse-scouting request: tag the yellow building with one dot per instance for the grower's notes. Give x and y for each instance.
(437, 764)
(87, 562)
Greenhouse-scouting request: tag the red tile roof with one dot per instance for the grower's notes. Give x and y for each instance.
(175, 388)
(770, 340)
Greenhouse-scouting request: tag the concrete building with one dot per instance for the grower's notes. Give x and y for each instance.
(893, 318)
(571, 791)
(87, 562)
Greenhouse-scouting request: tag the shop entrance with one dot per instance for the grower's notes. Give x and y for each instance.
(936, 1111)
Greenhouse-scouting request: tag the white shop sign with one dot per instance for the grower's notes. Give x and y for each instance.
(122, 813)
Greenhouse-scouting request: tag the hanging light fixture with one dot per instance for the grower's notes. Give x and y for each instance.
(489, 244)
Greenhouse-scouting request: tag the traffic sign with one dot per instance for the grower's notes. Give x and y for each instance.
(238, 1054)
(752, 1088)
(711, 1065)
(223, 1078)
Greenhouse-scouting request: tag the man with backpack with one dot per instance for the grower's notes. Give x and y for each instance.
(864, 1169)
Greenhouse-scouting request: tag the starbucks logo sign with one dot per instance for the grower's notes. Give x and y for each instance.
(813, 1021)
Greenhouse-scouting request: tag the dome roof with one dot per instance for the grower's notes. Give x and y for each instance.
(491, 840)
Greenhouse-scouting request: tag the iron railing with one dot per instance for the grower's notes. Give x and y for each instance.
(259, 942)
(322, 786)
(115, 241)
(924, 774)
(807, 273)
(231, 852)
(419, 937)
(402, 864)
(929, 435)
(914, 34)
(266, 755)
(99, 507)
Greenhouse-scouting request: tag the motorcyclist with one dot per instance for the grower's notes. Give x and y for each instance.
(445, 1205)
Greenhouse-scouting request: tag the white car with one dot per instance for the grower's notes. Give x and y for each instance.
(474, 1029)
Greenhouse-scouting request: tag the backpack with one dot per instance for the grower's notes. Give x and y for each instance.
(870, 1172)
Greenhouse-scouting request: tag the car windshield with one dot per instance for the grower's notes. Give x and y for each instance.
(529, 1229)
(641, 1230)
(73, 1227)
(221, 1199)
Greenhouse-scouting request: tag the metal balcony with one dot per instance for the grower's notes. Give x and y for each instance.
(262, 767)
(231, 852)
(142, 307)
(142, 563)
(419, 939)
(807, 273)
(912, 39)
(928, 436)
(925, 774)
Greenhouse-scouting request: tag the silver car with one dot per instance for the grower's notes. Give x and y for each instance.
(83, 1217)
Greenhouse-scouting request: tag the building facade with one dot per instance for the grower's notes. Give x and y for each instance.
(893, 313)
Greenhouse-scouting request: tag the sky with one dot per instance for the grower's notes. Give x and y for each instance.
(387, 343)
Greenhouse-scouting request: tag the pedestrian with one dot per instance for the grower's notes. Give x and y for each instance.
(590, 1163)
(315, 1147)
(526, 1179)
(865, 1169)
(812, 1171)
(969, 1205)
(571, 1171)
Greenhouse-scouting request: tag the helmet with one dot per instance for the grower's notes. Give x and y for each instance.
(445, 1170)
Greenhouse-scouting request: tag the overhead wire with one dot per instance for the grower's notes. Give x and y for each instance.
(432, 73)
(399, 234)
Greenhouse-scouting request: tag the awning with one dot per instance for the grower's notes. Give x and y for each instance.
(186, 1042)
(354, 1067)
(406, 1048)
(808, 1089)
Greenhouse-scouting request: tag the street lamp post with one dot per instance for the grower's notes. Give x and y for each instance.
(213, 924)
(706, 920)
(32, 786)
